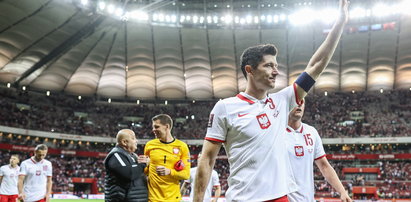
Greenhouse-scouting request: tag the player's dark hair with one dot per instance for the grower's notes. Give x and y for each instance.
(254, 55)
(41, 147)
(164, 119)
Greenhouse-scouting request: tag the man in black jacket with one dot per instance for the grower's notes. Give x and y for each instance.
(125, 179)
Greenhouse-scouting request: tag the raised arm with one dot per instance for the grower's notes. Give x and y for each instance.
(322, 56)
(205, 167)
(331, 176)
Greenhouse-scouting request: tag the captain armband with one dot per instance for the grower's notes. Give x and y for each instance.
(305, 81)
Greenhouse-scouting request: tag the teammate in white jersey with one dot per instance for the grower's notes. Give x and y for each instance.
(304, 147)
(35, 177)
(251, 124)
(214, 183)
(9, 175)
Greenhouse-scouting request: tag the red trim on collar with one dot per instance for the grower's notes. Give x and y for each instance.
(288, 130)
(242, 97)
(302, 127)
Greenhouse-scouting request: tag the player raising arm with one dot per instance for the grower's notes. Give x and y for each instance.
(251, 124)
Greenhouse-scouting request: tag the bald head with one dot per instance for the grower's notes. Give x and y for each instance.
(127, 140)
(124, 134)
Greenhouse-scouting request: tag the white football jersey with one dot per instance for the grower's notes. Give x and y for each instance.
(35, 183)
(214, 181)
(10, 178)
(252, 131)
(304, 146)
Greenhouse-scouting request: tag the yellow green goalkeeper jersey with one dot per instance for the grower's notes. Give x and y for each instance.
(166, 188)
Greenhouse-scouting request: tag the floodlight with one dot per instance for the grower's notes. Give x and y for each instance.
(249, 19)
(302, 17)
(110, 8)
(102, 5)
(328, 15)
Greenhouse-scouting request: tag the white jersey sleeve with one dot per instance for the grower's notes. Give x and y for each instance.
(1, 171)
(290, 94)
(49, 171)
(319, 149)
(215, 180)
(217, 123)
(23, 168)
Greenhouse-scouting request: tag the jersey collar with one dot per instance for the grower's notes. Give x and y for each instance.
(299, 130)
(35, 162)
(12, 167)
(248, 98)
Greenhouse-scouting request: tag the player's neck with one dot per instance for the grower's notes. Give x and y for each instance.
(13, 166)
(167, 138)
(294, 124)
(36, 160)
(256, 93)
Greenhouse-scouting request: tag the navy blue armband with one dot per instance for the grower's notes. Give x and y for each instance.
(305, 81)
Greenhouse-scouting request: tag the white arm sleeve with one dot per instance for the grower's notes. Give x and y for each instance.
(217, 123)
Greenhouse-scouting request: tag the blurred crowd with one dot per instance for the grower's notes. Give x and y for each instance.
(365, 114)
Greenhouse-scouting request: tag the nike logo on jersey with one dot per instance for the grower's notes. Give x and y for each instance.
(241, 115)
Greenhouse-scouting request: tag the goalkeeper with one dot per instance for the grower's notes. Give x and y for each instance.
(169, 162)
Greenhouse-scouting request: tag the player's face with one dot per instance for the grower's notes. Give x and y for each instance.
(40, 155)
(297, 112)
(132, 143)
(14, 161)
(266, 72)
(159, 130)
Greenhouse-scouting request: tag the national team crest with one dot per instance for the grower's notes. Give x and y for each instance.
(44, 168)
(176, 150)
(263, 121)
(299, 150)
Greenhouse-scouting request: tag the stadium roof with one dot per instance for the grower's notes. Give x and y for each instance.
(190, 49)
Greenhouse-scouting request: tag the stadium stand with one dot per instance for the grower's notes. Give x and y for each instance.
(360, 114)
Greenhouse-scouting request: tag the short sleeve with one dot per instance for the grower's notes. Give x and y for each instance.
(319, 149)
(217, 123)
(214, 178)
(49, 171)
(23, 169)
(290, 95)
